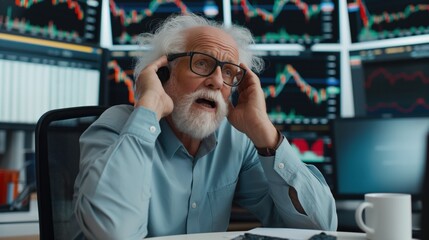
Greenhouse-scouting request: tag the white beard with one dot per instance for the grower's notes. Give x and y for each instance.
(196, 123)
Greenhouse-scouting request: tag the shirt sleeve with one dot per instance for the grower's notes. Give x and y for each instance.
(285, 169)
(110, 201)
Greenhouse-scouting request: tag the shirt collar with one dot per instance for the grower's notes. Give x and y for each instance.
(171, 144)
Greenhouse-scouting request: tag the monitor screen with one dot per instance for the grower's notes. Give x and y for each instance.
(129, 18)
(120, 79)
(379, 155)
(40, 75)
(391, 81)
(301, 87)
(302, 22)
(64, 20)
(302, 93)
(376, 19)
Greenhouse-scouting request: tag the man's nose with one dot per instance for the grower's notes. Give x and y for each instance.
(215, 80)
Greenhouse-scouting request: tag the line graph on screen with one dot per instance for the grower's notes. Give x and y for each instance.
(292, 97)
(288, 21)
(130, 18)
(399, 89)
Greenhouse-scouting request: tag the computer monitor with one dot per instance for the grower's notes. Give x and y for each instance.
(391, 81)
(39, 75)
(302, 93)
(303, 22)
(301, 87)
(120, 79)
(131, 18)
(71, 21)
(379, 155)
(375, 20)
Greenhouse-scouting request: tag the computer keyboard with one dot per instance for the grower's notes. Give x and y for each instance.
(251, 236)
(322, 236)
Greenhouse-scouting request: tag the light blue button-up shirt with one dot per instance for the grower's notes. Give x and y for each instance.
(137, 180)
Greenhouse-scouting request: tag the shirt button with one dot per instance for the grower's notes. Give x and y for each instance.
(281, 165)
(194, 205)
(152, 129)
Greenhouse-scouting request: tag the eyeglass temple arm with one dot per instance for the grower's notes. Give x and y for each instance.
(171, 57)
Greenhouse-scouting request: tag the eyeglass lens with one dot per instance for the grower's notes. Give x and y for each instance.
(205, 65)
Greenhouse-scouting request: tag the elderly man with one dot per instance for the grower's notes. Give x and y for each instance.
(176, 161)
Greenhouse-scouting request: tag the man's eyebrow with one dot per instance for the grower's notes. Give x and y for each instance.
(228, 58)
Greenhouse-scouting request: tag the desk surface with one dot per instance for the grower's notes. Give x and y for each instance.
(295, 234)
(275, 232)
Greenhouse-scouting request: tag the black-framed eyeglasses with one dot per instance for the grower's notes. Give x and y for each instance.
(204, 65)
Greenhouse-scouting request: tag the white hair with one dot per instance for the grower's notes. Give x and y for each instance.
(169, 37)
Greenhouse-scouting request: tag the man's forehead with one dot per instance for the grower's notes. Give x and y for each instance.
(210, 39)
(207, 33)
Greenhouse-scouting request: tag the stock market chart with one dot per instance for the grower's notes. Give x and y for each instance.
(399, 88)
(375, 19)
(64, 20)
(302, 89)
(302, 93)
(120, 76)
(391, 81)
(131, 18)
(288, 21)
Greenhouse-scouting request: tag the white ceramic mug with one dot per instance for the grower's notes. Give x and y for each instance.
(387, 216)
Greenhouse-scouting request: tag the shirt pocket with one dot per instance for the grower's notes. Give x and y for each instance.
(220, 201)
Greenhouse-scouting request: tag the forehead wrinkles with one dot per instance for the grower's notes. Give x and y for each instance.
(216, 43)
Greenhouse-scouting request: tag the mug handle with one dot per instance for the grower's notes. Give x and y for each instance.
(358, 217)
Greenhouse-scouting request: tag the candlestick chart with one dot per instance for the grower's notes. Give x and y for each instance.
(120, 76)
(288, 21)
(130, 18)
(74, 21)
(376, 19)
(302, 90)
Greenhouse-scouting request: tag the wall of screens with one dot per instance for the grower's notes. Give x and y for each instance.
(315, 50)
(304, 22)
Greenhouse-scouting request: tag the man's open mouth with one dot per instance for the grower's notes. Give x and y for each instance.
(206, 102)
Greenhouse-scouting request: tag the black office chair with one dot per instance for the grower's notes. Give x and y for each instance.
(57, 165)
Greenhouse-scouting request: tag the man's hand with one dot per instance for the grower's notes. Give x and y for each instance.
(150, 92)
(250, 114)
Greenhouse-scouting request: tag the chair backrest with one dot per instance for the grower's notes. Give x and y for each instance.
(57, 164)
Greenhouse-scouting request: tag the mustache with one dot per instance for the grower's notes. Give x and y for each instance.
(215, 96)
